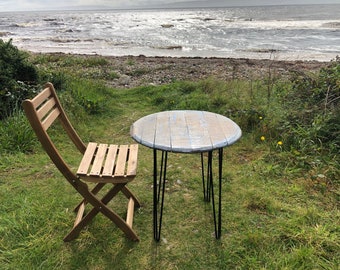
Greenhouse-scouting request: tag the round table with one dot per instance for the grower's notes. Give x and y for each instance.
(185, 131)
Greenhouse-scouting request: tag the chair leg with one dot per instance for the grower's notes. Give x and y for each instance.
(94, 191)
(128, 194)
(100, 206)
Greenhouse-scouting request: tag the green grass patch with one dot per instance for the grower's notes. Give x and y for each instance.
(280, 200)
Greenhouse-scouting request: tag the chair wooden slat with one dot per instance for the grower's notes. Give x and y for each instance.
(41, 97)
(45, 108)
(110, 161)
(99, 160)
(87, 159)
(121, 161)
(132, 163)
(50, 118)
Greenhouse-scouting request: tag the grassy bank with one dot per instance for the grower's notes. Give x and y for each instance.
(280, 181)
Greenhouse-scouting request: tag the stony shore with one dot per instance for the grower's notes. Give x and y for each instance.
(132, 71)
(140, 70)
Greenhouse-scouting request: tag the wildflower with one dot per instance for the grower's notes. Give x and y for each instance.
(260, 117)
(263, 138)
(279, 143)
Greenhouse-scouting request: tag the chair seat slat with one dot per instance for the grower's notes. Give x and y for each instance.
(110, 161)
(132, 163)
(121, 161)
(87, 159)
(99, 160)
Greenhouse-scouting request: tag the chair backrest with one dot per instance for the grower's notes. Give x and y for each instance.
(42, 111)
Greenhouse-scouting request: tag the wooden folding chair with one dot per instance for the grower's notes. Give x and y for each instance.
(101, 164)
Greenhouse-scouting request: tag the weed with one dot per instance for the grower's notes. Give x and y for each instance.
(90, 95)
(15, 134)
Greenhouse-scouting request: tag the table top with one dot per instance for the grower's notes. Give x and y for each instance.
(185, 131)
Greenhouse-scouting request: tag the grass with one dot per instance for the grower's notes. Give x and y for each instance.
(280, 204)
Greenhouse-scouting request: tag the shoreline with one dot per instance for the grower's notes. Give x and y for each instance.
(143, 70)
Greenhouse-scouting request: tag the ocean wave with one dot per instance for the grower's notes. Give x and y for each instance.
(264, 50)
(70, 40)
(174, 47)
(335, 24)
(215, 32)
(4, 34)
(69, 30)
(50, 19)
(24, 25)
(15, 25)
(167, 25)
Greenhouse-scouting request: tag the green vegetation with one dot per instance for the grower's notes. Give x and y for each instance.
(280, 189)
(17, 76)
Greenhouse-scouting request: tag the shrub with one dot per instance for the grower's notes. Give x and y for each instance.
(315, 124)
(17, 78)
(303, 123)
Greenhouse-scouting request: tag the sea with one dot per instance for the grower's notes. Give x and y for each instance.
(294, 32)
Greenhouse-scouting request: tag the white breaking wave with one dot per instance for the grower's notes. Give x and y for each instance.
(258, 32)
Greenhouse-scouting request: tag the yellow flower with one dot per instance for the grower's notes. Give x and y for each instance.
(260, 117)
(263, 138)
(279, 143)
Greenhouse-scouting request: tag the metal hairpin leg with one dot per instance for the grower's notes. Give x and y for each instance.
(207, 184)
(208, 189)
(158, 193)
